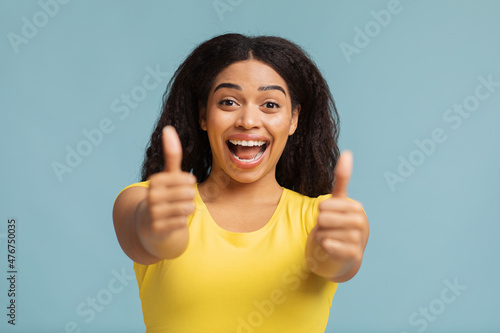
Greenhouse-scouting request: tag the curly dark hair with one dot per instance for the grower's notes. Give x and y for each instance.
(311, 153)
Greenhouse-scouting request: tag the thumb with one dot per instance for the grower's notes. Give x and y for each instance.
(172, 149)
(343, 171)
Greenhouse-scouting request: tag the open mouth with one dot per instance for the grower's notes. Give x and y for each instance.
(247, 151)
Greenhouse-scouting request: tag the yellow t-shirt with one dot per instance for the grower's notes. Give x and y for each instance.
(239, 282)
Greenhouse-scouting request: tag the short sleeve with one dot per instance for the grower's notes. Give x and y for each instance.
(314, 211)
(141, 184)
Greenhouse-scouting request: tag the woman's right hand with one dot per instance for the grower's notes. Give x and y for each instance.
(170, 198)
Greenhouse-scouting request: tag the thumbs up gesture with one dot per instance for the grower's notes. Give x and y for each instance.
(342, 226)
(171, 192)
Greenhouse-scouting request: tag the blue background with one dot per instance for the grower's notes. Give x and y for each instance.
(439, 224)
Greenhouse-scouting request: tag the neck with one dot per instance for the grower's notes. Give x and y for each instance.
(220, 187)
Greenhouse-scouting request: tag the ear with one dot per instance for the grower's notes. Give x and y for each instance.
(295, 120)
(202, 116)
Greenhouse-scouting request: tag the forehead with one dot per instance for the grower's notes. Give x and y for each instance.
(250, 74)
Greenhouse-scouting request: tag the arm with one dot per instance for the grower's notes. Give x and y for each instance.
(336, 245)
(131, 220)
(150, 223)
(333, 267)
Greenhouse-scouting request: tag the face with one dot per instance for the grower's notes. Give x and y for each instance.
(248, 119)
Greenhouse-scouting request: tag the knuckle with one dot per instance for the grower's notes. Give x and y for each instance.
(157, 226)
(354, 236)
(351, 252)
(153, 195)
(174, 210)
(155, 212)
(190, 208)
(188, 193)
(358, 221)
(179, 222)
(189, 177)
(152, 179)
(183, 209)
(357, 207)
(319, 235)
(322, 220)
(156, 179)
(358, 254)
(166, 225)
(327, 204)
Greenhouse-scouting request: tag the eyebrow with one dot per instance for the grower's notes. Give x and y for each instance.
(237, 87)
(273, 87)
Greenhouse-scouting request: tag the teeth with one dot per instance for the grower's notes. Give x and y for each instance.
(247, 143)
(259, 154)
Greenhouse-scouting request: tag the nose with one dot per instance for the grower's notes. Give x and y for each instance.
(249, 117)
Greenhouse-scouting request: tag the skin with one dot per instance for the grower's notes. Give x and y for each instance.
(336, 245)
(229, 189)
(151, 223)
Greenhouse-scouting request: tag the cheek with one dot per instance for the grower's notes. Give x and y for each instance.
(281, 125)
(217, 120)
(217, 124)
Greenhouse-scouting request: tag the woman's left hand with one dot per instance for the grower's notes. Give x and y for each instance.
(342, 227)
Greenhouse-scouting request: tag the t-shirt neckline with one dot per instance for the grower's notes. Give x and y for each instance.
(241, 235)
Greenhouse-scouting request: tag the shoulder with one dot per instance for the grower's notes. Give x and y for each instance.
(120, 197)
(296, 198)
(142, 184)
(139, 184)
(301, 209)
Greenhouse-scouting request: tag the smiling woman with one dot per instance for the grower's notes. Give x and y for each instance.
(313, 145)
(237, 225)
(249, 104)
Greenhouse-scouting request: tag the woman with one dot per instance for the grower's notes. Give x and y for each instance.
(235, 226)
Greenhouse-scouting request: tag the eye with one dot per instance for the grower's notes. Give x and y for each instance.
(227, 102)
(271, 105)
